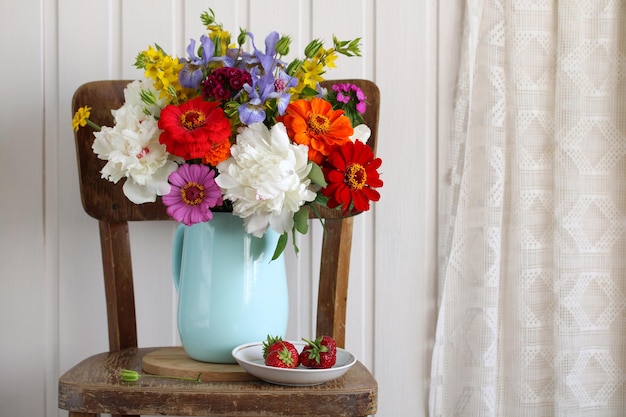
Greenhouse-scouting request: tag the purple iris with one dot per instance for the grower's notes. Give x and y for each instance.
(252, 111)
(193, 72)
(268, 59)
(282, 84)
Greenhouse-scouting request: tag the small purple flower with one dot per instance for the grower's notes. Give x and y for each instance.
(342, 98)
(193, 193)
(345, 92)
(359, 93)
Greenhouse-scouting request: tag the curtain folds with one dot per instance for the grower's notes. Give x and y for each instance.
(532, 290)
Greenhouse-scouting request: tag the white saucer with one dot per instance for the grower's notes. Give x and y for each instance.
(250, 357)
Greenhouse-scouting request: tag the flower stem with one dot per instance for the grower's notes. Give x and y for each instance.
(92, 124)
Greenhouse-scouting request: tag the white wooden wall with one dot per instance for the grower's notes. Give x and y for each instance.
(51, 304)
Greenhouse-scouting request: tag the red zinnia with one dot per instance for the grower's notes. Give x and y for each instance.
(191, 128)
(351, 173)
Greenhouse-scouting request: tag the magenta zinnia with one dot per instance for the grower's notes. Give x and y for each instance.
(193, 193)
(351, 173)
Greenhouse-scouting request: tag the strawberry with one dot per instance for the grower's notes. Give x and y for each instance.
(282, 354)
(270, 344)
(320, 353)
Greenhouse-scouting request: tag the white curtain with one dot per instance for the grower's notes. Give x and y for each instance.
(532, 318)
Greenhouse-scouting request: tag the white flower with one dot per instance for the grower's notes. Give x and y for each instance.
(134, 104)
(361, 132)
(133, 151)
(266, 178)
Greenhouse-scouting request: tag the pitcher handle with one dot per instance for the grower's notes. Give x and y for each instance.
(177, 254)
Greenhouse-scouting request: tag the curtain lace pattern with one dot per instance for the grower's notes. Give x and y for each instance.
(532, 291)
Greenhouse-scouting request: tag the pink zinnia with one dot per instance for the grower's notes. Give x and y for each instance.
(193, 193)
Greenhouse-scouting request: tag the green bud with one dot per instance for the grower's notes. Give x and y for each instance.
(243, 34)
(218, 46)
(313, 48)
(140, 61)
(129, 376)
(282, 46)
(148, 97)
(293, 66)
(208, 18)
(171, 90)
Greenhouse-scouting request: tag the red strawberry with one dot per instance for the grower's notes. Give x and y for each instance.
(270, 344)
(282, 355)
(320, 353)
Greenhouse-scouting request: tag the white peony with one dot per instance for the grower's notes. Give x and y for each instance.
(266, 178)
(132, 151)
(361, 132)
(138, 107)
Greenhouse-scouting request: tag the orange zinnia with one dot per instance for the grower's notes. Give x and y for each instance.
(314, 123)
(219, 152)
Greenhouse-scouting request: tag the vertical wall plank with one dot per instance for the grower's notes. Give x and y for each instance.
(406, 70)
(143, 24)
(82, 318)
(22, 314)
(51, 212)
(151, 241)
(346, 21)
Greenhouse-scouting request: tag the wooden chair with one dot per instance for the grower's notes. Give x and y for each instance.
(93, 386)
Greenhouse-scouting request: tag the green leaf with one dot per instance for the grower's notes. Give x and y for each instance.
(317, 176)
(309, 92)
(320, 199)
(280, 246)
(301, 220)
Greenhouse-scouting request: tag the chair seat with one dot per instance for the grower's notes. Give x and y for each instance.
(94, 386)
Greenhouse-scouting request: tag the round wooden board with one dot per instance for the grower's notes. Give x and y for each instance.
(173, 361)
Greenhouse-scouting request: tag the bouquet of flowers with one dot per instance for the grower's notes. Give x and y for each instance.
(224, 127)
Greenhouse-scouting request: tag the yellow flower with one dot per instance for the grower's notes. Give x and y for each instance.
(310, 73)
(81, 117)
(221, 38)
(163, 69)
(330, 58)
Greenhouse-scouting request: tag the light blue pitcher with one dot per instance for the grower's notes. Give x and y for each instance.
(229, 290)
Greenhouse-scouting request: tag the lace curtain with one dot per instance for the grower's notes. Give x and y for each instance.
(532, 300)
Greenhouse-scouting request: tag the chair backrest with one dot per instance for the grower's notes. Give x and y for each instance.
(107, 203)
